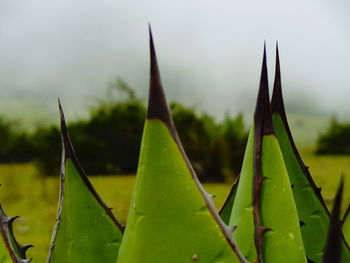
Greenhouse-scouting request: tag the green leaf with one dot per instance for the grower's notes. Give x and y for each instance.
(264, 210)
(312, 211)
(172, 218)
(333, 248)
(86, 230)
(10, 250)
(226, 209)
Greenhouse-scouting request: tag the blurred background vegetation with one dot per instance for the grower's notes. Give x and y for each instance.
(107, 142)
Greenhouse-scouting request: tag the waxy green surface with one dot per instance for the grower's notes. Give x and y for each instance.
(278, 211)
(85, 233)
(283, 243)
(313, 215)
(242, 210)
(169, 220)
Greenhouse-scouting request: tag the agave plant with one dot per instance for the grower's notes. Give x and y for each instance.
(273, 213)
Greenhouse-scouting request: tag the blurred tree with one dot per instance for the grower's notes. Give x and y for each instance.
(194, 136)
(47, 149)
(336, 140)
(235, 135)
(108, 142)
(15, 144)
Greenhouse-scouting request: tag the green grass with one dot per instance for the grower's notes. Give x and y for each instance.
(34, 197)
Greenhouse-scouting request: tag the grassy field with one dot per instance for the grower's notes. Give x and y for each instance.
(34, 197)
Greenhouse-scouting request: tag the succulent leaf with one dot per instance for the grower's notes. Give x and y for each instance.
(172, 218)
(86, 230)
(264, 210)
(312, 211)
(226, 209)
(10, 250)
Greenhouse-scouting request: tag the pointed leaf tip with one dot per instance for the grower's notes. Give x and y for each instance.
(333, 248)
(157, 104)
(69, 152)
(277, 104)
(66, 143)
(60, 109)
(262, 116)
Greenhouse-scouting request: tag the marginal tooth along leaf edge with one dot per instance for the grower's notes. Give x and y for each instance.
(6, 231)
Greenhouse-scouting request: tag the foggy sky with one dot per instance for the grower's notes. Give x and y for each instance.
(209, 52)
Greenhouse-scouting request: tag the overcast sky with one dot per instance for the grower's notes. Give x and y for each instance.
(209, 52)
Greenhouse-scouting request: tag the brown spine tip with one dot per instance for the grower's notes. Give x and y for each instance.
(157, 104)
(158, 109)
(262, 115)
(68, 150)
(277, 104)
(333, 248)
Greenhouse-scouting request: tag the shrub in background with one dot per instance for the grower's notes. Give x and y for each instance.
(274, 213)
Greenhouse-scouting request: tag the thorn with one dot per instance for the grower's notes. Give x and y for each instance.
(157, 104)
(262, 115)
(61, 110)
(10, 220)
(263, 230)
(261, 179)
(25, 248)
(210, 196)
(277, 103)
(231, 229)
(68, 149)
